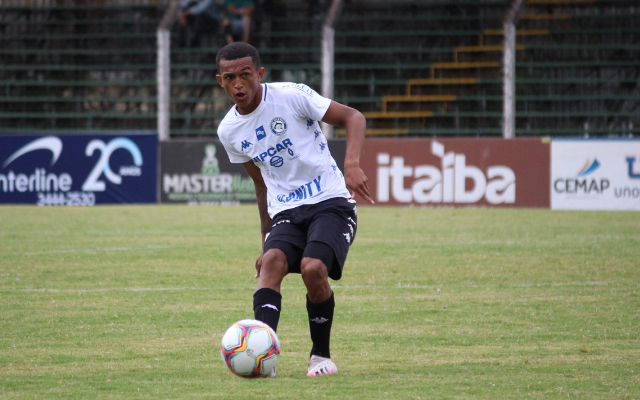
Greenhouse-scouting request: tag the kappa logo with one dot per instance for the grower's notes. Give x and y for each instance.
(260, 133)
(310, 123)
(347, 236)
(278, 126)
(246, 144)
(319, 320)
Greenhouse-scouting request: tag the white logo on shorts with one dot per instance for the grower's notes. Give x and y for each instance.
(270, 306)
(347, 236)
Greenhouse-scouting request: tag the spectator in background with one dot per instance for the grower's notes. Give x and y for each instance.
(238, 19)
(195, 18)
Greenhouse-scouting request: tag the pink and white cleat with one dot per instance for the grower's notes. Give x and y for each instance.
(321, 366)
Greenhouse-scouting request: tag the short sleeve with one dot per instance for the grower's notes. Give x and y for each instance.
(308, 103)
(235, 156)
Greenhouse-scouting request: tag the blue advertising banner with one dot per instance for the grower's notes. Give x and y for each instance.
(78, 170)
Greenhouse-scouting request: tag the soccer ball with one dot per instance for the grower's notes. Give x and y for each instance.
(250, 349)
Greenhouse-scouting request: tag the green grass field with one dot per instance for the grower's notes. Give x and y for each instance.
(132, 301)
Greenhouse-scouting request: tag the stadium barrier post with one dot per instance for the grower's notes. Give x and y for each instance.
(509, 70)
(328, 57)
(164, 71)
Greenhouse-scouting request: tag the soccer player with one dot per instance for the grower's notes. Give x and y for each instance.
(307, 212)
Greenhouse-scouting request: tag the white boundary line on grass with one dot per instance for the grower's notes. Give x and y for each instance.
(398, 286)
(94, 250)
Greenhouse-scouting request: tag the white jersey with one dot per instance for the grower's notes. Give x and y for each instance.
(282, 137)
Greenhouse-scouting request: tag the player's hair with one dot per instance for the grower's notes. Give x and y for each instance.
(238, 50)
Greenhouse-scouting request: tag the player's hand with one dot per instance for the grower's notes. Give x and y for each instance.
(259, 264)
(356, 182)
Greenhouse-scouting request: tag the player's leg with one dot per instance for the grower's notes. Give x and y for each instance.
(228, 30)
(329, 237)
(320, 301)
(246, 28)
(320, 307)
(267, 300)
(282, 254)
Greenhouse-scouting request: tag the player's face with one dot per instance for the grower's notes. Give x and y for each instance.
(241, 80)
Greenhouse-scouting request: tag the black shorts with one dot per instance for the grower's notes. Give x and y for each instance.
(323, 231)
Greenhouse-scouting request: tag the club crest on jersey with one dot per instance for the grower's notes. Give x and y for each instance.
(260, 133)
(278, 126)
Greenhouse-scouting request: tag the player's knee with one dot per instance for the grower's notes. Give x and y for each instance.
(313, 269)
(275, 262)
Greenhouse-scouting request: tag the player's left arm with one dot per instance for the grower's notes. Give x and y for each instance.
(355, 125)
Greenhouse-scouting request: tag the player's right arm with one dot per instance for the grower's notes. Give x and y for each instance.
(261, 195)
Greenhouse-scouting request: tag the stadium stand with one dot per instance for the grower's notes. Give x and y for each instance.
(413, 67)
(78, 66)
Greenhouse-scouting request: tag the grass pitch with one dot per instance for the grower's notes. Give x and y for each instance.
(132, 301)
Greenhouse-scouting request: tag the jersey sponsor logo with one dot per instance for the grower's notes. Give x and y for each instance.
(272, 151)
(246, 144)
(276, 161)
(261, 133)
(278, 126)
(308, 190)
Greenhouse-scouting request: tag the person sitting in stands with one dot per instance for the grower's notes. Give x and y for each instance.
(195, 18)
(238, 19)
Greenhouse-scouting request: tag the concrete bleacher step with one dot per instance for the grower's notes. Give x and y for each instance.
(407, 101)
(397, 114)
(481, 49)
(443, 67)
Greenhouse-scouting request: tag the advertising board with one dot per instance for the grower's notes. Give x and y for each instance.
(78, 170)
(592, 174)
(458, 172)
(198, 172)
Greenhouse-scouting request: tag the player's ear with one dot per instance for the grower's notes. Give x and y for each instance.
(260, 73)
(219, 79)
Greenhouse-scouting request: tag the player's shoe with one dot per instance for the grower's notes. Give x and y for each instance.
(321, 366)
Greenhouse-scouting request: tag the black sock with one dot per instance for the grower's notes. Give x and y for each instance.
(267, 304)
(320, 320)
